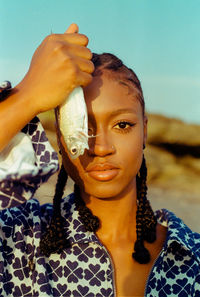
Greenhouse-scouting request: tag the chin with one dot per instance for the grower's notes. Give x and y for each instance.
(104, 191)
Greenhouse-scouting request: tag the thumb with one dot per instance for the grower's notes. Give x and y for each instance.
(73, 28)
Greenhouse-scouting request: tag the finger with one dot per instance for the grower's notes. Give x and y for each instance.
(84, 79)
(73, 28)
(80, 51)
(85, 65)
(76, 38)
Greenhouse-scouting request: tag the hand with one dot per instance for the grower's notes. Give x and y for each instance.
(60, 63)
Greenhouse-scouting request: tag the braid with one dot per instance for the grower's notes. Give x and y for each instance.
(90, 221)
(149, 219)
(145, 219)
(54, 240)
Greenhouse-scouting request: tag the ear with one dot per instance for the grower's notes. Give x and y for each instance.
(145, 121)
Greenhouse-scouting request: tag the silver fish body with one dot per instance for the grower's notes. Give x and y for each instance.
(73, 122)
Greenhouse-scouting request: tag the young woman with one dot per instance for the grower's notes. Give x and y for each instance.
(104, 239)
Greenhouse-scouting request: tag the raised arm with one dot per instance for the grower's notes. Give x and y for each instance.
(59, 64)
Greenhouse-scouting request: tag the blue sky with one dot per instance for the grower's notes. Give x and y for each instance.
(159, 39)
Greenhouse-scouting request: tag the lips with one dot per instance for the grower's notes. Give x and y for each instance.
(103, 172)
(101, 167)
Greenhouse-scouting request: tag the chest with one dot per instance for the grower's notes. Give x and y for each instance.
(130, 277)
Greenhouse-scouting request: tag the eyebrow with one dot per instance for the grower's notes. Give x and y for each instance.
(122, 110)
(118, 111)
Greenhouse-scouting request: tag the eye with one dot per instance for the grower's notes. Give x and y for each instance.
(123, 126)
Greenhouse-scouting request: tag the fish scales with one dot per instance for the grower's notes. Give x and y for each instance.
(73, 121)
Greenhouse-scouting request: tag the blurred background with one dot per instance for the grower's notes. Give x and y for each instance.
(160, 41)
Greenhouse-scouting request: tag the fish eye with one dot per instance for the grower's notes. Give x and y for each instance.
(73, 151)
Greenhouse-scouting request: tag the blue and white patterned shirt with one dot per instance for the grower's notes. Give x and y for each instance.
(86, 268)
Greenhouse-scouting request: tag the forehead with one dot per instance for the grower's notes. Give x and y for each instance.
(107, 95)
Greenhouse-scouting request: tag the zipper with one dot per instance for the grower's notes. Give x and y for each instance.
(154, 264)
(157, 258)
(113, 272)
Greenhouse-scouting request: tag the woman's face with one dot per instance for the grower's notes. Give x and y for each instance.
(108, 169)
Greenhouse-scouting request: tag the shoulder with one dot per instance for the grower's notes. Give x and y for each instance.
(32, 209)
(176, 271)
(179, 235)
(25, 210)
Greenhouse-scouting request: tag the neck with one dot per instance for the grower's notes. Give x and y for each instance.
(117, 215)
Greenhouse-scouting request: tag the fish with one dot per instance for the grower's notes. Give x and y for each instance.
(73, 123)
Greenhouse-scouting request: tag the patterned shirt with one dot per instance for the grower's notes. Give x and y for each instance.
(85, 268)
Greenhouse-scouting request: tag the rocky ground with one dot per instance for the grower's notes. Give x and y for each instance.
(173, 159)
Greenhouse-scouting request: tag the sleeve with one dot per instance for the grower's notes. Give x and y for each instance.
(26, 163)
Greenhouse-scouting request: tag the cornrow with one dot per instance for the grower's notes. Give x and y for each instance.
(145, 219)
(107, 61)
(54, 241)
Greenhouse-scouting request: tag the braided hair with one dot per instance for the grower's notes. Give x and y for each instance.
(54, 240)
(145, 218)
(111, 64)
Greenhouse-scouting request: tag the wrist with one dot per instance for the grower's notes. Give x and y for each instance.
(25, 97)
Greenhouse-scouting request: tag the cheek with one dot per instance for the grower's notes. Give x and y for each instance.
(131, 147)
(130, 154)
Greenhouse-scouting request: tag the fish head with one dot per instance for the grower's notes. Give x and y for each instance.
(76, 145)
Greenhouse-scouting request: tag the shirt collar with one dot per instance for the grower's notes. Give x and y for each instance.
(179, 236)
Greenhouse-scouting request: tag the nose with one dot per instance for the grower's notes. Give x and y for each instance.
(101, 145)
